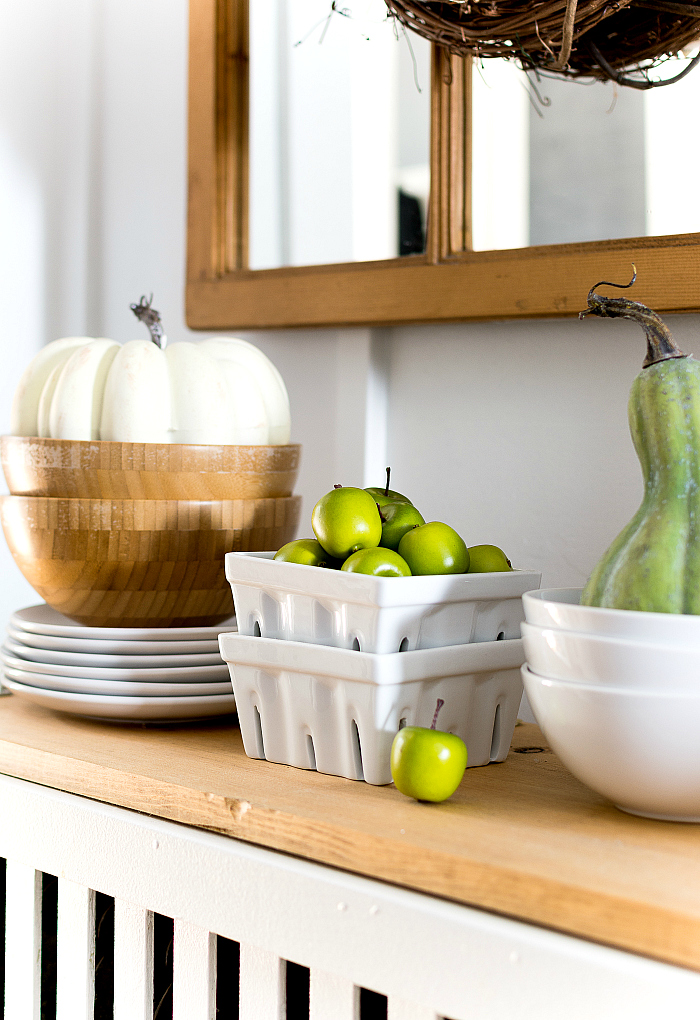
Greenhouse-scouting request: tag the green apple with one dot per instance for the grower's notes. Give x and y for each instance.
(307, 551)
(426, 763)
(378, 561)
(485, 559)
(384, 495)
(346, 519)
(434, 548)
(397, 519)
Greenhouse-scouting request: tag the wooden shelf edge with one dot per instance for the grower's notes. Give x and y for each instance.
(655, 932)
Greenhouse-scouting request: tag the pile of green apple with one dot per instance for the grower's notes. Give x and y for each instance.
(378, 531)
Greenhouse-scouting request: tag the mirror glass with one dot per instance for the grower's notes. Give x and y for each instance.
(560, 161)
(339, 166)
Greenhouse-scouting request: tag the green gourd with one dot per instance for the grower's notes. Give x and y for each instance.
(654, 563)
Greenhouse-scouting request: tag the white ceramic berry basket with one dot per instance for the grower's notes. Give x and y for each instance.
(338, 711)
(293, 602)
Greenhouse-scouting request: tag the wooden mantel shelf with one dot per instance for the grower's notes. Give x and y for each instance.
(523, 838)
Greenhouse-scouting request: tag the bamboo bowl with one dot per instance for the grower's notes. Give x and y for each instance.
(140, 563)
(87, 469)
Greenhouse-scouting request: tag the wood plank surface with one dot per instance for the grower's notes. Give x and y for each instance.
(522, 838)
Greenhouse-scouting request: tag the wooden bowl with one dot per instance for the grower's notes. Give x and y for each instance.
(85, 469)
(140, 563)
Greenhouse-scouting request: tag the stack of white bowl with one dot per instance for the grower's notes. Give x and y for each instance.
(156, 674)
(617, 695)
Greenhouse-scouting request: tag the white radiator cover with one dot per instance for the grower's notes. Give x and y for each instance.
(432, 958)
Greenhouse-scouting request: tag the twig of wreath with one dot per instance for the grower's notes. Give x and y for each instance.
(635, 83)
(620, 40)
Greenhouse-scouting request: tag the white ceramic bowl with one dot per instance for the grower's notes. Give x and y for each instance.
(609, 661)
(559, 607)
(638, 748)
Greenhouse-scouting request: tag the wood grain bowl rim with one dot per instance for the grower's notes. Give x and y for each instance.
(102, 454)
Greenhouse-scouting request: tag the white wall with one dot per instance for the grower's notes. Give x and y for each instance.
(46, 118)
(515, 433)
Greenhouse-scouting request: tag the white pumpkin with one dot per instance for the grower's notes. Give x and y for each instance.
(221, 390)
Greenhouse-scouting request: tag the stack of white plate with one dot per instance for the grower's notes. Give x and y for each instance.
(119, 673)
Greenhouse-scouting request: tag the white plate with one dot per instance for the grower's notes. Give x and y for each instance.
(113, 645)
(93, 659)
(119, 709)
(123, 688)
(43, 619)
(191, 674)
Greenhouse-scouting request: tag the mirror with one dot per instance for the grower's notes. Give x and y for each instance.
(281, 234)
(561, 161)
(339, 157)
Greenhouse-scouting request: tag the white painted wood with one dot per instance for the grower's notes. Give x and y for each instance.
(133, 961)
(194, 972)
(262, 987)
(399, 1009)
(22, 942)
(75, 952)
(361, 406)
(332, 996)
(466, 964)
(377, 408)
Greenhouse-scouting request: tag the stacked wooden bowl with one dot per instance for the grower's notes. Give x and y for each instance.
(135, 534)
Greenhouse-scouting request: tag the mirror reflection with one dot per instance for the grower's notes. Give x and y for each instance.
(339, 135)
(569, 161)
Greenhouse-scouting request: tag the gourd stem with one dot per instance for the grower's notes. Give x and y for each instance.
(660, 344)
(151, 319)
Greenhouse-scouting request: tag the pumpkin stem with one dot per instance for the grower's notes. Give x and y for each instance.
(660, 344)
(151, 319)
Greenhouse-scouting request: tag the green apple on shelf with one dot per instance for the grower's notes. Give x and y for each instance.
(426, 763)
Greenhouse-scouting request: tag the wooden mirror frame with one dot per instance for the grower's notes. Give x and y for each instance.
(447, 283)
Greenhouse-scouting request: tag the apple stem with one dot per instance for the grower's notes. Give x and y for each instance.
(336, 486)
(388, 476)
(440, 703)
